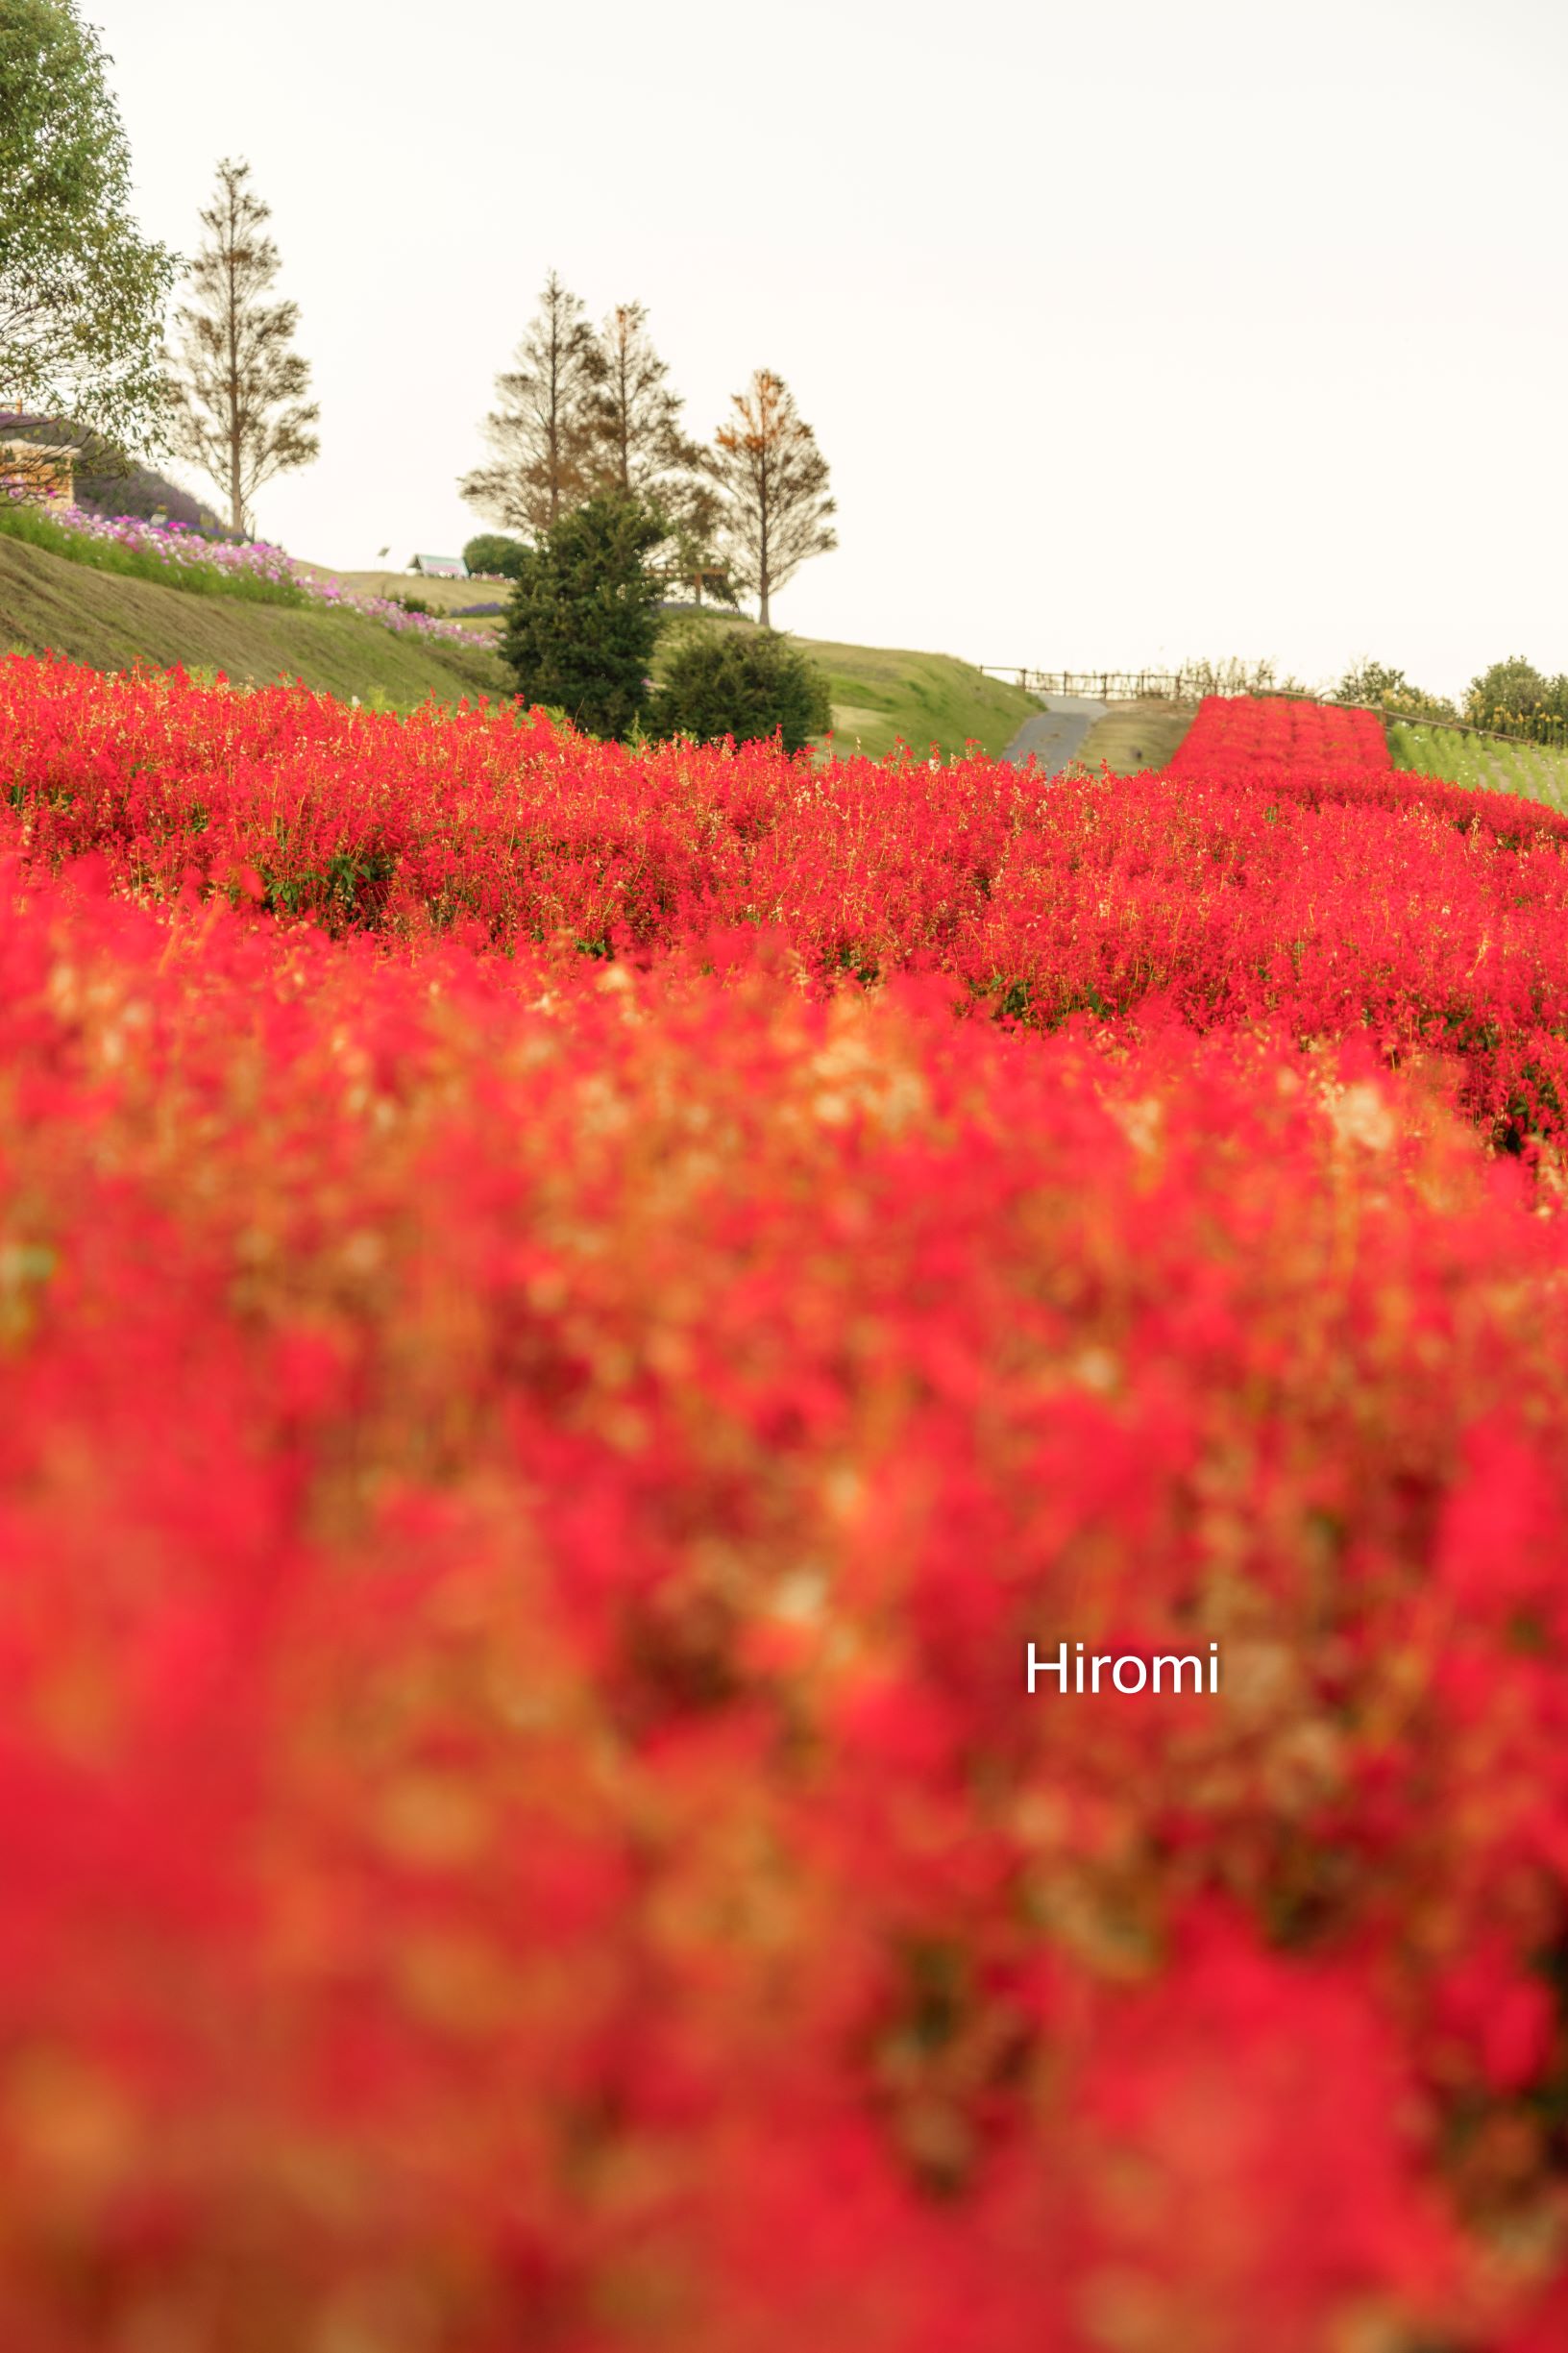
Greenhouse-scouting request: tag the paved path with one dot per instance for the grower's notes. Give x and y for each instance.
(1055, 735)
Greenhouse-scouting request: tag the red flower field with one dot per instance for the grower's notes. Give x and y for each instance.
(566, 1320)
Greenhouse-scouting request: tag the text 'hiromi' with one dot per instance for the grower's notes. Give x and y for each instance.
(1127, 1673)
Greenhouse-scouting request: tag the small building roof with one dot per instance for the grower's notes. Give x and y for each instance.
(441, 567)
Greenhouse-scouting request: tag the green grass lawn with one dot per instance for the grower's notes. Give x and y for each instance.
(1529, 769)
(883, 696)
(113, 619)
(1135, 735)
(880, 695)
(443, 596)
(110, 621)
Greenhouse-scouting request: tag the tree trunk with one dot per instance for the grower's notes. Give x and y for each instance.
(236, 499)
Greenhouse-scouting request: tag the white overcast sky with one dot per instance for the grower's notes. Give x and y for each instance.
(1131, 330)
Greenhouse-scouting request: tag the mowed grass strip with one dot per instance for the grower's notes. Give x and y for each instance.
(1133, 736)
(1534, 771)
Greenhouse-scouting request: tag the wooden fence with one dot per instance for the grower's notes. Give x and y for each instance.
(1095, 685)
(1392, 716)
(1189, 685)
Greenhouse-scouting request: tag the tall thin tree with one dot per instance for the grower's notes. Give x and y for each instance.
(541, 431)
(239, 406)
(634, 418)
(639, 449)
(773, 481)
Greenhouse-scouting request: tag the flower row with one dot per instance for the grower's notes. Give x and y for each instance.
(529, 1481)
(181, 549)
(527, 1490)
(1329, 900)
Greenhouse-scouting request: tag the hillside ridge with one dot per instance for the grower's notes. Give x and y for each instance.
(50, 604)
(881, 695)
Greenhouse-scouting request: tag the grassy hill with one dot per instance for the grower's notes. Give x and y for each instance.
(50, 604)
(441, 595)
(450, 599)
(1533, 770)
(1135, 735)
(880, 695)
(883, 696)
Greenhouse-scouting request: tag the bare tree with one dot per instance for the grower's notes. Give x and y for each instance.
(772, 479)
(542, 430)
(239, 406)
(634, 417)
(693, 556)
(639, 449)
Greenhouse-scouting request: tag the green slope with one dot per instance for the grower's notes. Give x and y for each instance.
(1135, 735)
(1533, 770)
(48, 605)
(883, 696)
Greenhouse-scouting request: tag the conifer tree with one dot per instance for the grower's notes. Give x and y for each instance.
(542, 431)
(583, 619)
(240, 411)
(639, 449)
(634, 418)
